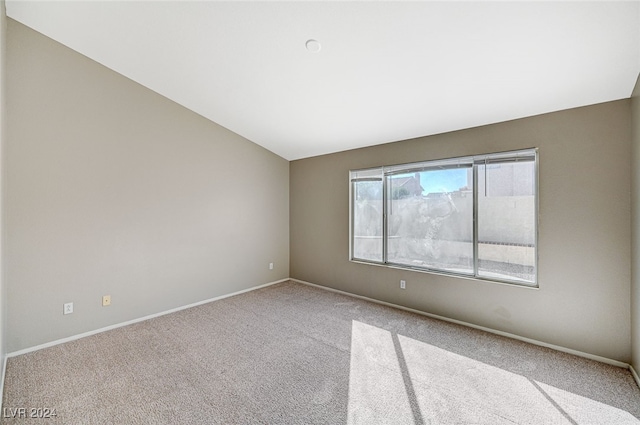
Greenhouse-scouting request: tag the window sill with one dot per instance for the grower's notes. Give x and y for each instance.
(509, 283)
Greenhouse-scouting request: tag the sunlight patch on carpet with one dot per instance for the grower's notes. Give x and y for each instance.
(397, 379)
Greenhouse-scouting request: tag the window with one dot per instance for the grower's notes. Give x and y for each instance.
(472, 216)
(367, 214)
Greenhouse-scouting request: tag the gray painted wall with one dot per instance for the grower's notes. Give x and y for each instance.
(113, 189)
(3, 300)
(635, 228)
(584, 241)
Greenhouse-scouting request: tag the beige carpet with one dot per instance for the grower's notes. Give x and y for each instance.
(294, 354)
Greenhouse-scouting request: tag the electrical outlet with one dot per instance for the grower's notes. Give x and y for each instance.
(67, 308)
(106, 300)
(270, 266)
(403, 284)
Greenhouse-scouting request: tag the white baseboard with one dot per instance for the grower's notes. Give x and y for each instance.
(434, 316)
(130, 322)
(4, 373)
(482, 328)
(635, 375)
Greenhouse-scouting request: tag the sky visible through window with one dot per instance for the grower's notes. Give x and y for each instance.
(443, 180)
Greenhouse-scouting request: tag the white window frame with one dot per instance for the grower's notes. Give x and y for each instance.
(475, 161)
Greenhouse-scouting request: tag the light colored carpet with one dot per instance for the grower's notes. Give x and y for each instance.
(294, 354)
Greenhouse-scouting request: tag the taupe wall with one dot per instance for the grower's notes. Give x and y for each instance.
(113, 189)
(635, 229)
(3, 23)
(584, 242)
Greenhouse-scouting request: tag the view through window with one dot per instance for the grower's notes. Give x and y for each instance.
(472, 216)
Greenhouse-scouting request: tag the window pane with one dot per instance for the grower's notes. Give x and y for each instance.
(367, 219)
(507, 221)
(430, 219)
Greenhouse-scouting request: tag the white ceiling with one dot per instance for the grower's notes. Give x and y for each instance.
(387, 71)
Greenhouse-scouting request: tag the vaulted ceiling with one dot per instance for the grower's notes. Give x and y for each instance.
(374, 72)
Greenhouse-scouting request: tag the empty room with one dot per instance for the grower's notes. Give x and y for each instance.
(301, 212)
